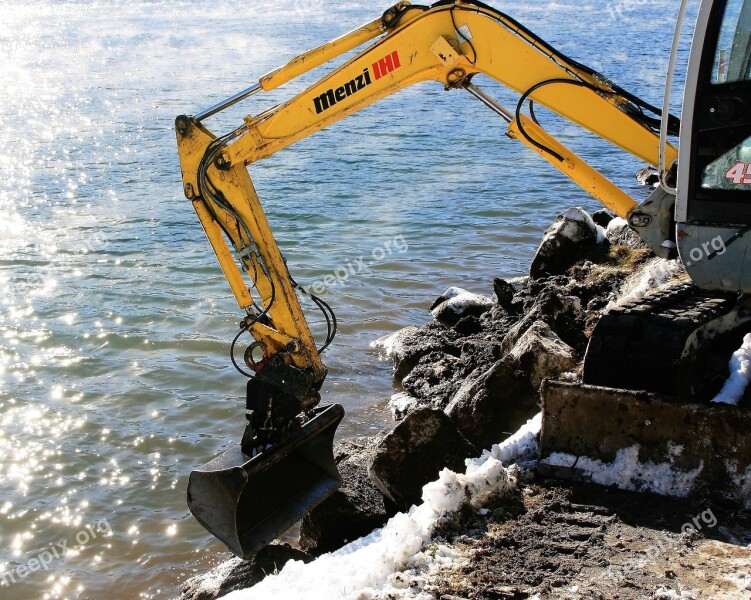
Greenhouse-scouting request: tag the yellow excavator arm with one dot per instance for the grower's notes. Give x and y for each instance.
(449, 42)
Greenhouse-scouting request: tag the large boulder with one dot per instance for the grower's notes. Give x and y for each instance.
(494, 403)
(415, 452)
(456, 303)
(433, 379)
(238, 574)
(564, 243)
(408, 345)
(554, 306)
(355, 509)
(540, 353)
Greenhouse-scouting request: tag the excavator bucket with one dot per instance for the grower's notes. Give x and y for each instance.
(248, 502)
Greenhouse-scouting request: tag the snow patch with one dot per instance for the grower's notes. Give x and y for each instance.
(740, 374)
(393, 343)
(400, 404)
(628, 473)
(741, 480)
(574, 224)
(392, 561)
(658, 273)
(519, 447)
(617, 223)
(669, 594)
(601, 235)
(460, 300)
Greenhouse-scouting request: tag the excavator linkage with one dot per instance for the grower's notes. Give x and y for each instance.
(247, 502)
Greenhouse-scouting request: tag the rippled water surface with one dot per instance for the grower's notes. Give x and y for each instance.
(115, 320)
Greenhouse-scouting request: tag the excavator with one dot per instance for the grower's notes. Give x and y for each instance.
(284, 464)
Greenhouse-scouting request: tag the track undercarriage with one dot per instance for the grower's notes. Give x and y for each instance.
(651, 369)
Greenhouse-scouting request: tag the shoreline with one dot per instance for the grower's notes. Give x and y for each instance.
(466, 380)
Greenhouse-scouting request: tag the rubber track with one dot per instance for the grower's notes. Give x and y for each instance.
(638, 345)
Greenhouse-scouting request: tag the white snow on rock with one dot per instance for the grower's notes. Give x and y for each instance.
(742, 480)
(740, 374)
(393, 343)
(391, 562)
(519, 447)
(574, 224)
(616, 225)
(576, 213)
(627, 473)
(656, 274)
(460, 300)
(400, 404)
(669, 594)
(601, 234)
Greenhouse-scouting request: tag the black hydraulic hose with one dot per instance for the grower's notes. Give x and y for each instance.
(232, 353)
(526, 95)
(673, 122)
(328, 313)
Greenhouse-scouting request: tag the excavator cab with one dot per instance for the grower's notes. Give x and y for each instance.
(713, 211)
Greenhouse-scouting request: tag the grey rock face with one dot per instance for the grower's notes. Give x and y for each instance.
(355, 509)
(562, 245)
(413, 454)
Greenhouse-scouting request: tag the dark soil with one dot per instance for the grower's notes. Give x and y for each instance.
(561, 540)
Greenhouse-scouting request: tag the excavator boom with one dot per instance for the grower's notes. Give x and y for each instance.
(450, 42)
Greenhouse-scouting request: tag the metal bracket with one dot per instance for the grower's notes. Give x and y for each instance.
(653, 221)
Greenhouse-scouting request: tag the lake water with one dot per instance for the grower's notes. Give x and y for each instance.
(115, 320)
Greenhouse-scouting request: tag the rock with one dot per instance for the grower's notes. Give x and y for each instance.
(468, 325)
(504, 293)
(407, 346)
(602, 217)
(395, 344)
(415, 452)
(355, 509)
(517, 331)
(648, 176)
(519, 283)
(401, 404)
(456, 302)
(238, 574)
(433, 373)
(492, 403)
(553, 305)
(564, 243)
(540, 353)
(619, 233)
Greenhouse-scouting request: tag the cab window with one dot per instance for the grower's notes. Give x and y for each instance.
(733, 55)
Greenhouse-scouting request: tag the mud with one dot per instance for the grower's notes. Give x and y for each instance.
(572, 541)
